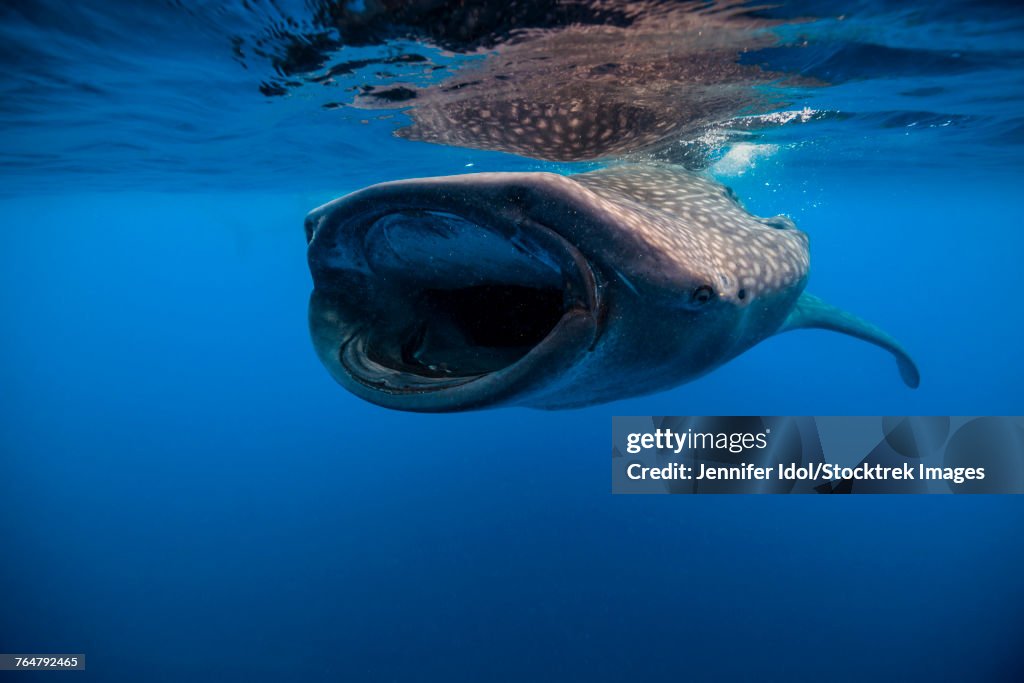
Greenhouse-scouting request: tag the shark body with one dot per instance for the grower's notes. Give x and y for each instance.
(552, 291)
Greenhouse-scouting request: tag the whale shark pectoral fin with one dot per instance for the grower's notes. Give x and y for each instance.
(812, 312)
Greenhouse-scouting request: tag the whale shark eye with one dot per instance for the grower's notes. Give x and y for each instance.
(702, 294)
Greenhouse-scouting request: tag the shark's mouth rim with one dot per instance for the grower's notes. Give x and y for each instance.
(363, 364)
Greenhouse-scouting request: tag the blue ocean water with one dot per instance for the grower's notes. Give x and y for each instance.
(185, 494)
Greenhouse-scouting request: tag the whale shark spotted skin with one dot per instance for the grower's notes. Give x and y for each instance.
(574, 80)
(584, 92)
(552, 291)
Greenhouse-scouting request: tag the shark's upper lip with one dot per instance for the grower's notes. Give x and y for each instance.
(421, 307)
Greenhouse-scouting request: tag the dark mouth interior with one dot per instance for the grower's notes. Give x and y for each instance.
(478, 329)
(453, 299)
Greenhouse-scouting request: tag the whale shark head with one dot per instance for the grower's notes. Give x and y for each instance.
(539, 289)
(446, 294)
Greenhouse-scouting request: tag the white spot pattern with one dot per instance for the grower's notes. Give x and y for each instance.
(696, 225)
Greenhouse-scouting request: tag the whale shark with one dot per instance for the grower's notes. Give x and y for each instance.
(553, 291)
(576, 80)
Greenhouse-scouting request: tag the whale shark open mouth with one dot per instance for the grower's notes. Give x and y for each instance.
(421, 300)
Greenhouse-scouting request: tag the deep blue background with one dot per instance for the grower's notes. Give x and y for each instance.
(186, 495)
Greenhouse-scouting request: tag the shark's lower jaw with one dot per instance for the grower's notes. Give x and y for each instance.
(428, 310)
